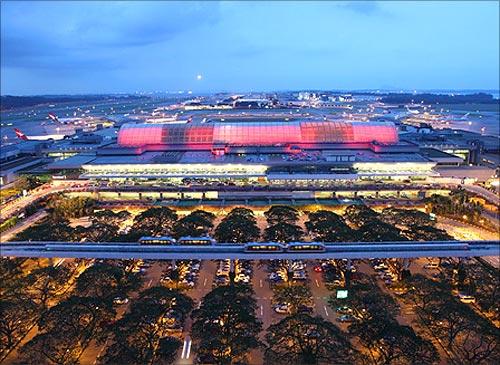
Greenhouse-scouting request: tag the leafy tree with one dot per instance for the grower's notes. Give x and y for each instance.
(79, 318)
(107, 282)
(378, 231)
(28, 182)
(242, 212)
(66, 208)
(98, 232)
(426, 233)
(107, 216)
(225, 326)
(197, 223)
(326, 226)
(46, 283)
(302, 339)
(50, 348)
(140, 336)
(359, 215)
(283, 232)
(11, 277)
(239, 226)
(294, 295)
(479, 346)
(369, 301)
(406, 218)
(458, 204)
(48, 230)
(392, 343)
(459, 327)
(16, 318)
(167, 350)
(281, 213)
(155, 222)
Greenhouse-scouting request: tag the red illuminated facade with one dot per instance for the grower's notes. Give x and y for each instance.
(257, 133)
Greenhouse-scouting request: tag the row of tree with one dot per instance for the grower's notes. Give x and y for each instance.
(377, 329)
(25, 296)
(84, 313)
(471, 338)
(359, 223)
(226, 330)
(458, 204)
(142, 335)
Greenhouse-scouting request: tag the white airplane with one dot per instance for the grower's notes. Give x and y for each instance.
(412, 111)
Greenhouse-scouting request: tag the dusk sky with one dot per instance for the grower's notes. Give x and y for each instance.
(102, 47)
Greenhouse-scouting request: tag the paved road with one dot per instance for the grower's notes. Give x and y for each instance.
(17, 205)
(486, 194)
(21, 226)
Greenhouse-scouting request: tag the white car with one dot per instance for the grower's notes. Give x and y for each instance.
(119, 300)
(242, 277)
(282, 308)
(464, 298)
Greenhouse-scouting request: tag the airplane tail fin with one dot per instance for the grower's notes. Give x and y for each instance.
(20, 135)
(53, 117)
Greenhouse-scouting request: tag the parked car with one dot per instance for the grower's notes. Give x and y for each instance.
(282, 308)
(345, 318)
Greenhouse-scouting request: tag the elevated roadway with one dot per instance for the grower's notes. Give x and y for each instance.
(338, 250)
(488, 195)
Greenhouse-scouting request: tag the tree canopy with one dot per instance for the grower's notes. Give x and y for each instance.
(239, 226)
(294, 295)
(326, 226)
(302, 339)
(378, 231)
(283, 232)
(141, 336)
(406, 218)
(359, 215)
(197, 223)
(281, 213)
(155, 222)
(66, 208)
(106, 281)
(225, 327)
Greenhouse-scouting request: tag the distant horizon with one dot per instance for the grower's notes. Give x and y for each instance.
(185, 92)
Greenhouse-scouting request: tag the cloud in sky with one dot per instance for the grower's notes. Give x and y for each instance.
(75, 47)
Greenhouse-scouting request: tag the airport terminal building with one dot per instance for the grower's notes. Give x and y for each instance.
(260, 150)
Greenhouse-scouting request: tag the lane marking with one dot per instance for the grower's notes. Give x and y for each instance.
(317, 284)
(260, 283)
(150, 282)
(326, 311)
(188, 351)
(205, 282)
(261, 310)
(184, 346)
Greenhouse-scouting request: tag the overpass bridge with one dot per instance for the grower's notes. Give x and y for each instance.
(337, 250)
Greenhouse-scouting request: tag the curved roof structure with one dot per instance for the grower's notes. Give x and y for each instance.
(257, 133)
